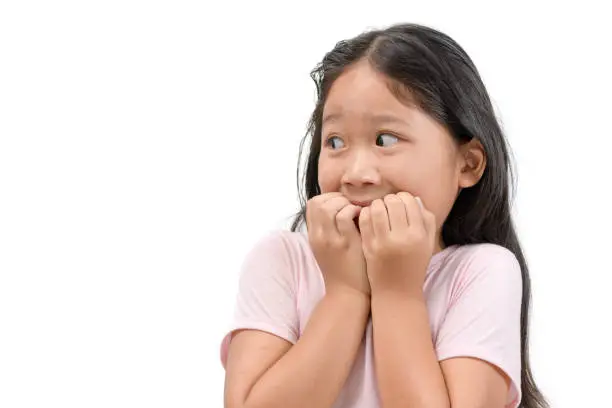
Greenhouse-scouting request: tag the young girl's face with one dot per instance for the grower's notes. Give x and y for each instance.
(373, 145)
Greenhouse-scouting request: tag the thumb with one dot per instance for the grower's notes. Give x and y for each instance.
(345, 220)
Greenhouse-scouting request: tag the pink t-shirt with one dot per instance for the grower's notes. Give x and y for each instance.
(473, 295)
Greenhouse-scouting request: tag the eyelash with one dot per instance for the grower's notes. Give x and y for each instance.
(331, 137)
(390, 134)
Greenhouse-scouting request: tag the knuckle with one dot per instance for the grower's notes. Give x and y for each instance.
(391, 198)
(365, 214)
(311, 206)
(314, 199)
(337, 242)
(323, 206)
(318, 237)
(345, 221)
(404, 194)
(327, 212)
(377, 210)
(332, 204)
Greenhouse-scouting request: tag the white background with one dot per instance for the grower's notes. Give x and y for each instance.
(145, 146)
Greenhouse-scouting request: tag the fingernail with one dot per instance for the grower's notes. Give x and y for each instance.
(420, 202)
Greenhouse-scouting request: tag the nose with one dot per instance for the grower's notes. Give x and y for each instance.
(361, 169)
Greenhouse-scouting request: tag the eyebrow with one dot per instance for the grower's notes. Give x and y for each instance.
(380, 117)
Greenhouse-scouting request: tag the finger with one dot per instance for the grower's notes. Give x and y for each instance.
(345, 220)
(419, 202)
(315, 203)
(365, 225)
(322, 198)
(413, 210)
(318, 200)
(329, 210)
(398, 220)
(380, 219)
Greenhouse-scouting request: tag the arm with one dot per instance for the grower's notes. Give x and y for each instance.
(480, 331)
(407, 368)
(408, 371)
(265, 371)
(479, 343)
(397, 254)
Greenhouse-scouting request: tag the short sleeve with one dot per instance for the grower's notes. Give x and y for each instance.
(483, 317)
(267, 288)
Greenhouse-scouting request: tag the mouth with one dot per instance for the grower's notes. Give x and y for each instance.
(361, 203)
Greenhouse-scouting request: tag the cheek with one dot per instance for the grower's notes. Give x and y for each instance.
(412, 173)
(427, 176)
(329, 180)
(442, 193)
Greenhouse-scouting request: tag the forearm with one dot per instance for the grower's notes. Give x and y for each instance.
(407, 368)
(313, 371)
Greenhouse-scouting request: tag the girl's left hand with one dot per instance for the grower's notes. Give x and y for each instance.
(398, 236)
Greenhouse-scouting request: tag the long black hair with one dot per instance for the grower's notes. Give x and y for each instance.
(443, 80)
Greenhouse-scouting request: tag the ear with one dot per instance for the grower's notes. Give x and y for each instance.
(472, 163)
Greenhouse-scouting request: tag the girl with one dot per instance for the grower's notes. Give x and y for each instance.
(409, 288)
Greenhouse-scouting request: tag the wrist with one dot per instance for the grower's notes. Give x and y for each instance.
(397, 305)
(412, 293)
(401, 282)
(342, 293)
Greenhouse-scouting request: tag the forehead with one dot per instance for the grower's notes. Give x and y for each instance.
(364, 92)
(362, 96)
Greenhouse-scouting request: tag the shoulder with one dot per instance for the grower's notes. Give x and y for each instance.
(280, 243)
(490, 263)
(486, 256)
(280, 250)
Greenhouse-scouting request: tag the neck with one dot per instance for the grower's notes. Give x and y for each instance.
(439, 245)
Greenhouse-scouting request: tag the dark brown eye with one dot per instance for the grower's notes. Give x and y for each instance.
(386, 138)
(334, 142)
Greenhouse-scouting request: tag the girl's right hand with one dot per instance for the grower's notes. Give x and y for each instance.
(336, 242)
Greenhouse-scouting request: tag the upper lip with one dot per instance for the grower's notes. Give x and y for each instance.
(361, 203)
